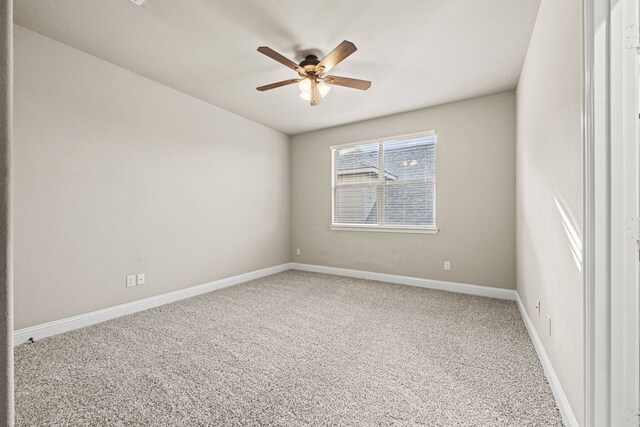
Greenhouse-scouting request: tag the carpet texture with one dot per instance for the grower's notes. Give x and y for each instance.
(293, 349)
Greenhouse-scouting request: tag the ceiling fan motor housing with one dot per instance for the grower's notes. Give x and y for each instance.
(309, 64)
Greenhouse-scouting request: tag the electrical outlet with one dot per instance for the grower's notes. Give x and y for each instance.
(538, 307)
(447, 265)
(140, 279)
(549, 320)
(298, 251)
(131, 281)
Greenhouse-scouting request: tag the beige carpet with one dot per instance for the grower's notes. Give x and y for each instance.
(293, 349)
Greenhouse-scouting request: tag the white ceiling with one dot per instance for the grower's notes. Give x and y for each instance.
(417, 53)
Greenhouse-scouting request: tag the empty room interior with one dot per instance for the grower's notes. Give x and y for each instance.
(244, 213)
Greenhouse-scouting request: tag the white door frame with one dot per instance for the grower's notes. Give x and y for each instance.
(595, 123)
(625, 139)
(611, 195)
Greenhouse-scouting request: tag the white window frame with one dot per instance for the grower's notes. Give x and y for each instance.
(380, 189)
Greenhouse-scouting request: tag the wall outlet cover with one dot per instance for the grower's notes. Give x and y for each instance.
(140, 279)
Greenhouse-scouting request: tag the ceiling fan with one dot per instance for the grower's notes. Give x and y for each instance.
(312, 72)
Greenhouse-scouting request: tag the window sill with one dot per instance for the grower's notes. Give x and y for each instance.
(385, 229)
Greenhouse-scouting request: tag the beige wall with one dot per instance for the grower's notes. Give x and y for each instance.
(116, 174)
(475, 197)
(549, 185)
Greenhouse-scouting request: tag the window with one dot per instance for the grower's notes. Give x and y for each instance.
(388, 184)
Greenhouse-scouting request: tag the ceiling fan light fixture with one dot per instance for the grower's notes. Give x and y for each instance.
(305, 86)
(305, 89)
(323, 88)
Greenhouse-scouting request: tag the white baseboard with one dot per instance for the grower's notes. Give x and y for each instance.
(566, 412)
(70, 323)
(463, 288)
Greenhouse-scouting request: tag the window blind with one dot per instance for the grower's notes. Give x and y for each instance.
(388, 183)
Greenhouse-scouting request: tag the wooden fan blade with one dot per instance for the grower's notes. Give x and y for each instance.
(348, 82)
(316, 98)
(281, 59)
(336, 56)
(277, 84)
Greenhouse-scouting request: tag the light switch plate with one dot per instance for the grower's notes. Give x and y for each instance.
(131, 281)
